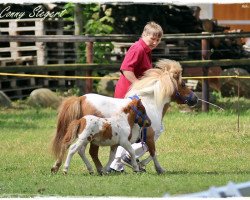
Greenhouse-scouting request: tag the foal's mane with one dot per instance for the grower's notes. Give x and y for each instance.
(161, 81)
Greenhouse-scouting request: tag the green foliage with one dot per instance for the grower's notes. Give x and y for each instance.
(96, 22)
(199, 150)
(69, 16)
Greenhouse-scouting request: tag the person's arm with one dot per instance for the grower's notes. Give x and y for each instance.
(130, 76)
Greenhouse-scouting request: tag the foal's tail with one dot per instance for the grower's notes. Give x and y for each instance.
(73, 130)
(69, 110)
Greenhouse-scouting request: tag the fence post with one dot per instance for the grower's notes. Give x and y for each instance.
(89, 59)
(205, 86)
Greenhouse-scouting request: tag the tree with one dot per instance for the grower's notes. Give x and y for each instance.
(90, 19)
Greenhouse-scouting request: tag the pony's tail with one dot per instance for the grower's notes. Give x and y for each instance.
(69, 110)
(72, 132)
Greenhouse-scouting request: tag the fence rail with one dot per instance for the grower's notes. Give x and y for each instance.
(87, 69)
(117, 38)
(116, 66)
(56, 76)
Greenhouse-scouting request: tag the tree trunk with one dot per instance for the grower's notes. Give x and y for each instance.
(78, 26)
(78, 16)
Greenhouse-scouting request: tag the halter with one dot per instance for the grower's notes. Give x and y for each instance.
(138, 113)
(185, 100)
(143, 130)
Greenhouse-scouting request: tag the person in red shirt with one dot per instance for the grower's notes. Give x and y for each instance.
(136, 62)
(138, 58)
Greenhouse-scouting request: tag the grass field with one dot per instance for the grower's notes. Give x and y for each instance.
(198, 150)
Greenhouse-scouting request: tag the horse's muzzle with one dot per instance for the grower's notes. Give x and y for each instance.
(192, 100)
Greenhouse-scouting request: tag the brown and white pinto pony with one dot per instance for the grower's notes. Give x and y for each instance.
(113, 131)
(156, 89)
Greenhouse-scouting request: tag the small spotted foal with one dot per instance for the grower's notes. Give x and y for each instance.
(114, 131)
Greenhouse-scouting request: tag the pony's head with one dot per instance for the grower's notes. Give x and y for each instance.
(165, 83)
(182, 94)
(137, 112)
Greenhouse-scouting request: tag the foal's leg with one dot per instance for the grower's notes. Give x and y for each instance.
(72, 150)
(111, 157)
(144, 162)
(93, 151)
(81, 152)
(127, 145)
(151, 148)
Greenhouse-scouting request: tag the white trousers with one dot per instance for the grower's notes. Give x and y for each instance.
(140, 150)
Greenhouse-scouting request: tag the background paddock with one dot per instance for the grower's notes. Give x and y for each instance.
(198, 150)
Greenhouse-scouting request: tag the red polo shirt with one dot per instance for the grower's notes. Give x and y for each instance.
(138, 60)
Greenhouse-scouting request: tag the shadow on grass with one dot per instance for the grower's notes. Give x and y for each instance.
(184, 172)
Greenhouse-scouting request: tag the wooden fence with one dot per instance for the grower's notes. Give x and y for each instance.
(88, 68)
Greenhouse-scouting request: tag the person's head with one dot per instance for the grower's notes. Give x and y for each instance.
(152, 34)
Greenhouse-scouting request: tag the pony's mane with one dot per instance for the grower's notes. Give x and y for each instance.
(160, 81)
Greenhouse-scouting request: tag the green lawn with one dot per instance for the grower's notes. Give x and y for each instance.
(199, 150)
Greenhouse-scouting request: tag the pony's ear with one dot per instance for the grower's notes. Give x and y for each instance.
(137, 102)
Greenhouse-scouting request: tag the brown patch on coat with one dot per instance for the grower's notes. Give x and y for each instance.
(90, 138)
(89, 109)
(150, 141)
(82, 125)
(131, 113)
(93, 151)
(130, 135)
(106, 131)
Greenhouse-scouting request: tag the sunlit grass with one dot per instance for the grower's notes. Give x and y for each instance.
(198, 150)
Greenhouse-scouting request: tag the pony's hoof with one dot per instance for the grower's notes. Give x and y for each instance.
(54, 170)
(161, 171)
(105, 172)
(91, 173)
(101, 173)
(142, 170)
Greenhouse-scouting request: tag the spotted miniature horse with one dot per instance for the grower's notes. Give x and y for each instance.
(156, 89)
(113, 131)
